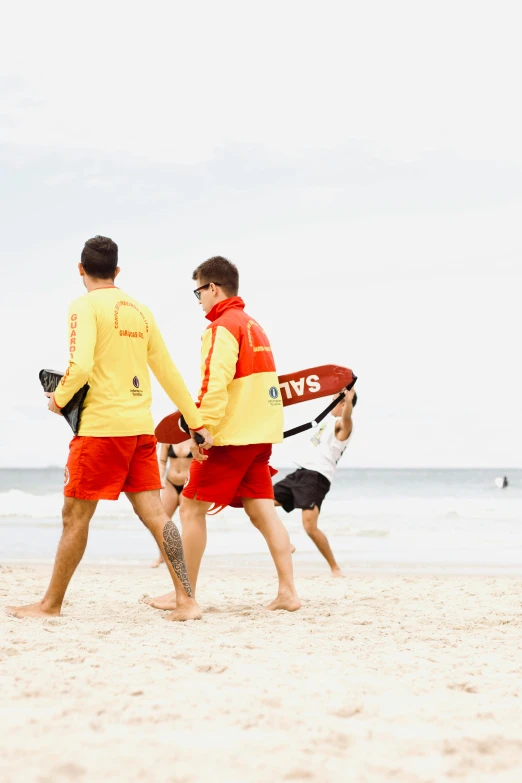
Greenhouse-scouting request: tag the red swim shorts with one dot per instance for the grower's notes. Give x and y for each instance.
(231, 473)
(101, 468)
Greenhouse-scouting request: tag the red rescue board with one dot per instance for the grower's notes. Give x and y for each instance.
(295, 387)
(169, 429)
(316, 382)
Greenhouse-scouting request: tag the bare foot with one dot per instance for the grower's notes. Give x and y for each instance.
(157, 562)
(289, 602)
(165, 602)
(189, 611)
(31, 610)
(337, 573)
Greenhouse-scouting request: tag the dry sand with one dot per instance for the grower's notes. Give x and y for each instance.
(402, 678)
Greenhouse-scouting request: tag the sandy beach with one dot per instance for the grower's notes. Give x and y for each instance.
(380, 677)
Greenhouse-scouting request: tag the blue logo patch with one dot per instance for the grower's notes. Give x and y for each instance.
(273, 392)
(136, 382)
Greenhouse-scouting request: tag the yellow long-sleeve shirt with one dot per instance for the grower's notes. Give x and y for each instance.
(113, 340)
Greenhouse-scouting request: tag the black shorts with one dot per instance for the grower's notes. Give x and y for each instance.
(302, 489)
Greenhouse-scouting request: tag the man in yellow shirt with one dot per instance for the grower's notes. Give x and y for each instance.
(113, 339)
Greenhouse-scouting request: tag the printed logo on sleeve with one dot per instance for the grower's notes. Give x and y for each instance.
(275, 397)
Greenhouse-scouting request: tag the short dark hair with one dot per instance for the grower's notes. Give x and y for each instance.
(100, 257)
(354, 401)
(221, 271)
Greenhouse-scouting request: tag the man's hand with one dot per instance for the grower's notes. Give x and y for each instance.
(207, 443)
(197, 448)
(348, 406)
(53, 407)
(196, 452)
(343, 426)
(349, 397)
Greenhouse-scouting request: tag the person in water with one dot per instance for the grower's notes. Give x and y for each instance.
(113, 340)
(178, 457)
(240, 401)
(307, 487)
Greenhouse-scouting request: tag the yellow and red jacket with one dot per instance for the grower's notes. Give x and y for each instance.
(239, 400)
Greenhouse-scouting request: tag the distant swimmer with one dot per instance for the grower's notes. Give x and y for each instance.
(113, 340)
(240, 400)
(178, 458)
(307, 487)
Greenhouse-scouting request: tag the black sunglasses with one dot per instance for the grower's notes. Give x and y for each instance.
(197, 291)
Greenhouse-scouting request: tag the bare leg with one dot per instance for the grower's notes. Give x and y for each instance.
(170, 502)
(193, 514)
(292, 547)
(76, 515)
(263, 516)
(310, 517)
(194, 527)
(147, 505)
(158, 561)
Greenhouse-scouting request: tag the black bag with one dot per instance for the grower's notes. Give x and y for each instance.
(73, 410)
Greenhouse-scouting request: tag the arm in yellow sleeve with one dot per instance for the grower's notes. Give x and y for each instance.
(82, 341)
(219, 351)
(170, 378)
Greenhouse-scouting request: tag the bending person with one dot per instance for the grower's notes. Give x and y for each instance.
(179, 457)
(113, 339)
(307, 487)
(241, 403)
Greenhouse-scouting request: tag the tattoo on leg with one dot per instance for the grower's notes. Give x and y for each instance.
(174, 551)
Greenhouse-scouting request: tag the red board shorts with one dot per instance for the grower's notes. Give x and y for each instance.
(101, 468)
(231, 473)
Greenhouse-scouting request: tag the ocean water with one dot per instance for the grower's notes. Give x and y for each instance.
(372, 517)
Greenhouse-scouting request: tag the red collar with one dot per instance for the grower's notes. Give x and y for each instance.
(222, 307)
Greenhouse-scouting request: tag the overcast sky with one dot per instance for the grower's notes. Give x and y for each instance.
(360, 162)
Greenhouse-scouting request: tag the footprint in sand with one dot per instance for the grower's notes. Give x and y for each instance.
(299, 774)
(68, 771)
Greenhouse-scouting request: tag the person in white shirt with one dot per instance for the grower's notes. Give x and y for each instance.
(307, 487)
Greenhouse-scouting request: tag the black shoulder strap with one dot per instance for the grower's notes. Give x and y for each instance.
(315, 422)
